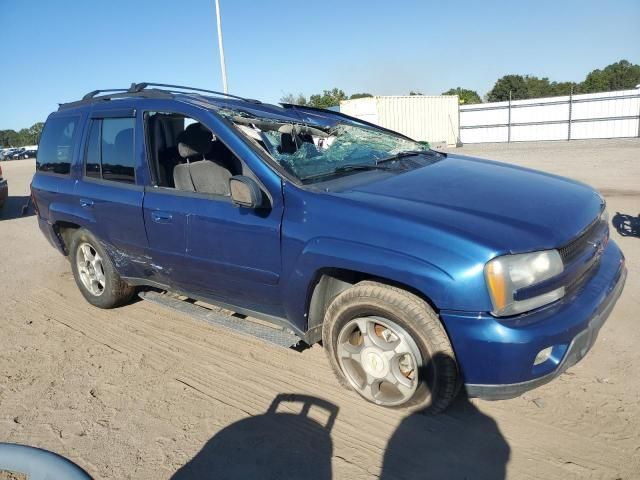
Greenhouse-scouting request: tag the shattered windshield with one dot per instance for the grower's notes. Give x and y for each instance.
(313, 152)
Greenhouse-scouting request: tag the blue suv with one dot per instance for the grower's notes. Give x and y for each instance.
(419, 271)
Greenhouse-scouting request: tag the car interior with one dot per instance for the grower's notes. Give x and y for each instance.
(187, 156)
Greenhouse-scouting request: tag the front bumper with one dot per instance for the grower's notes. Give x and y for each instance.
(496, 356)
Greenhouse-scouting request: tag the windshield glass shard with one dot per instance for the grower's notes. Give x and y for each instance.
(310, 152)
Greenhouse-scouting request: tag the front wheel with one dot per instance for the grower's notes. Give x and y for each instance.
(389, 346)
(95, 274)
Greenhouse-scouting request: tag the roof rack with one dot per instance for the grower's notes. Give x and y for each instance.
(118, 93)
(143, 90)
(93, 93)
(139, 87)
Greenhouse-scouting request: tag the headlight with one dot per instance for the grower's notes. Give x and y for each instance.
(509, 273)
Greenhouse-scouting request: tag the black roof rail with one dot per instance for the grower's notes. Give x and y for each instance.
(119, 93)
(139, 87)
(142, 90)
(93, 93)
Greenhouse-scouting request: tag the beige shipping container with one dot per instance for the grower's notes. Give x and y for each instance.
(425, 118)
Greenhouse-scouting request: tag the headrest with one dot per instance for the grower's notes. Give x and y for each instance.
(194, 140)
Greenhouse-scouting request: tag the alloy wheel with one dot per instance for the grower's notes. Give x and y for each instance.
(379, 359)
(90, 269)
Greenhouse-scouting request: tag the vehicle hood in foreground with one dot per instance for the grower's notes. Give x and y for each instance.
(502, 206)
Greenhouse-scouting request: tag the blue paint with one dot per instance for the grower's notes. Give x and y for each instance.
(431, 229)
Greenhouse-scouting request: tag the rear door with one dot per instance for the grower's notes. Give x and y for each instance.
(53, 183)
(108, 192)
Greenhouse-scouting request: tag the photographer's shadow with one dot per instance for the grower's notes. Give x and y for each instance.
(461, 443)
(275, 445)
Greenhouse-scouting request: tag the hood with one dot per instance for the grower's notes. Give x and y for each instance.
(502, 206)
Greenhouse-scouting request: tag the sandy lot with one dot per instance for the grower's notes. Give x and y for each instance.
(140, 392)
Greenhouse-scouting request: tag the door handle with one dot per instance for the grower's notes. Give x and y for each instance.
(86, 203)
(161, 217)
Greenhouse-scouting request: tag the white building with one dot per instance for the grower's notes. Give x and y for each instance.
(433, 119)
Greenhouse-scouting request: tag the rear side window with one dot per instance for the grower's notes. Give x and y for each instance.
(109, 153)
(56, 145)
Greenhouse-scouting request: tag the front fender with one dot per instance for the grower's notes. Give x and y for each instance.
(324, 253)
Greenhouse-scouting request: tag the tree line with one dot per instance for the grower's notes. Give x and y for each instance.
(326, 99)
(621, 75)
(25, 136)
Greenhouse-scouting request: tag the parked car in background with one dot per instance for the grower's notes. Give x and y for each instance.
(4, 189)
(7, 153)
(29, 153)
(420, 271)
(18, 154)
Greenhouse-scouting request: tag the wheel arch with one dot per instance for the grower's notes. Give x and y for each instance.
(330, 282)
(64, 230)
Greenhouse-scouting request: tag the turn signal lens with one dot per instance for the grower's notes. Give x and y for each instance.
(496, 281)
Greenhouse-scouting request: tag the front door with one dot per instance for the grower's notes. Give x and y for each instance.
(203, 244)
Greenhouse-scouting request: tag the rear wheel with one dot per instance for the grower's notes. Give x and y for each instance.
(389, 346)
(95, 274)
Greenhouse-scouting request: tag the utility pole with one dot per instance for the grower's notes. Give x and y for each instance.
(509, 120)
(221, 47)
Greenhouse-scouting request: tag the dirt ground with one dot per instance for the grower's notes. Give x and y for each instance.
(141, 392)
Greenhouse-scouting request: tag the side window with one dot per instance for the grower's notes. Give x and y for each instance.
(184, 154)
(110, 153)
(118, 161)
(56, 145)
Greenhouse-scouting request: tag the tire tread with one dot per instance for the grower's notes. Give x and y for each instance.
(420, 317)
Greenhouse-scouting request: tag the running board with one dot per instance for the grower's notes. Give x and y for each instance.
(274, 335)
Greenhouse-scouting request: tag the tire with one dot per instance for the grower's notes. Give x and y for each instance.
(391, 317)
(98, 281)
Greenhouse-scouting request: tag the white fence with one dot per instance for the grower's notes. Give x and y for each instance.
(428, 118)
(593, 115)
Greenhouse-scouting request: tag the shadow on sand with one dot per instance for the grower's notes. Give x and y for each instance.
(461, 443)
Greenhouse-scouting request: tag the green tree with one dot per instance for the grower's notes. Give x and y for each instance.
(35, 131)
(621, 75)
(465, 96)
(328, 98)
(360, 95)
(414, 93)
(564, 88)
(516, 84)
(294, 99)
(25, 136)
(537, 87)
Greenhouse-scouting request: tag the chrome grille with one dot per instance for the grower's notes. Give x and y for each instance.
(585, 240)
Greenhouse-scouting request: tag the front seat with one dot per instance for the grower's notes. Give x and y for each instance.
(199, 174)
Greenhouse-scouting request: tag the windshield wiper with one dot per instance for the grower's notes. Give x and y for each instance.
(359, 166)
(408, 153)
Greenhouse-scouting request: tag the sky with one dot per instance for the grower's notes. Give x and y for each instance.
(56, 51)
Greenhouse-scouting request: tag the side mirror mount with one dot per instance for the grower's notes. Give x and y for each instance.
(245, 192)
